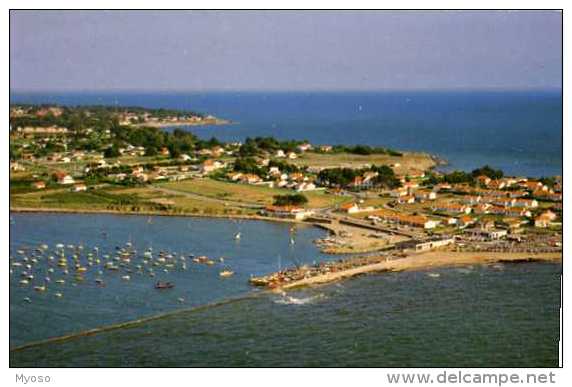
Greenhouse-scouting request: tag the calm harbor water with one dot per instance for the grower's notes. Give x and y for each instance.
(520, 132)
(263, 247)
(505, 315)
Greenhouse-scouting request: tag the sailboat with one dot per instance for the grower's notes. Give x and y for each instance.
(237, 236)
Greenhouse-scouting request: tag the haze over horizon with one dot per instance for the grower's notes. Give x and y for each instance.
(194, 51)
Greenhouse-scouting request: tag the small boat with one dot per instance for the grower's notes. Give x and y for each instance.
(24, 282)
(60, 281)
(226, 273)
(98, 281)
(40, 288)
(58, 295)
(27, 299)
(164, 285)
(126, 278)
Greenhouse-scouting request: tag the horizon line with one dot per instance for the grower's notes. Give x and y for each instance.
(316, 90)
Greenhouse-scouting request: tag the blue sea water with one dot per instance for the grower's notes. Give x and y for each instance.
(519, 132)
(263, 248)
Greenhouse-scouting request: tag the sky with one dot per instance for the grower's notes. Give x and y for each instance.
(284, 50)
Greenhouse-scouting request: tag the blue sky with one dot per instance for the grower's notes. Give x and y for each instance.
(245, 50)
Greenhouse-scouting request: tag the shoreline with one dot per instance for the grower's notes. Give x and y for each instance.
(185, 123)
(424, 261)
(153, 213)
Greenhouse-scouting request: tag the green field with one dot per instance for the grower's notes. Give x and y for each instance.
(251, 194)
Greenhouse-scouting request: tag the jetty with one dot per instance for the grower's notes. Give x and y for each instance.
(335, 271)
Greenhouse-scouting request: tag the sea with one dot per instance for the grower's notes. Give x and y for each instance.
(518, 132)
(504, 315)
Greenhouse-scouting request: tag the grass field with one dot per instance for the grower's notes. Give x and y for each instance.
(408, 161)
(245, 193)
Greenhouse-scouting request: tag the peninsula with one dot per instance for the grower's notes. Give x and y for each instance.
(373, 200)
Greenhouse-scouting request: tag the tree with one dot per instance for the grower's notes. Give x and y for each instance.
(290, 200)
(112, 151)
(488, 171)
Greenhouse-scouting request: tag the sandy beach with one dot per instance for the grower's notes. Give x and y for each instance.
(424, 261)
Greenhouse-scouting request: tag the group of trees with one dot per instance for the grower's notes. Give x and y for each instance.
(260, 145)
(365, 150)
(251, 165)
(462, 177)
(290, 200)
(343, 177)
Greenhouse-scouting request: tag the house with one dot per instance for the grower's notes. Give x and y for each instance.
(250, 178)
(280, 153)
(471, 199)
(350, 208)
(398, 192)
(452, 221)
(465, 221)
(433, 244)
(526, 203)
(291, 212)
(79, 187)
(513, 224)
(304, 147)
(545, 219)
(483, 180)
(185, 157)
(426, 195)
(482, 208)
(326, 148)
(488, 234)
(407, 199)
(210, 165)
(292, 155)
(39, 184)
(63, 178)
(234, 176)
(305, 187)
(454, 208)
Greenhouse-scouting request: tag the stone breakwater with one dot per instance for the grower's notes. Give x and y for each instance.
(325, 273)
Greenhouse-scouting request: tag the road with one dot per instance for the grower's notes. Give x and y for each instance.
(207, 198)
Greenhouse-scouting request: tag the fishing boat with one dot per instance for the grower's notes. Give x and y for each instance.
(226, 273)
(163, 285)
